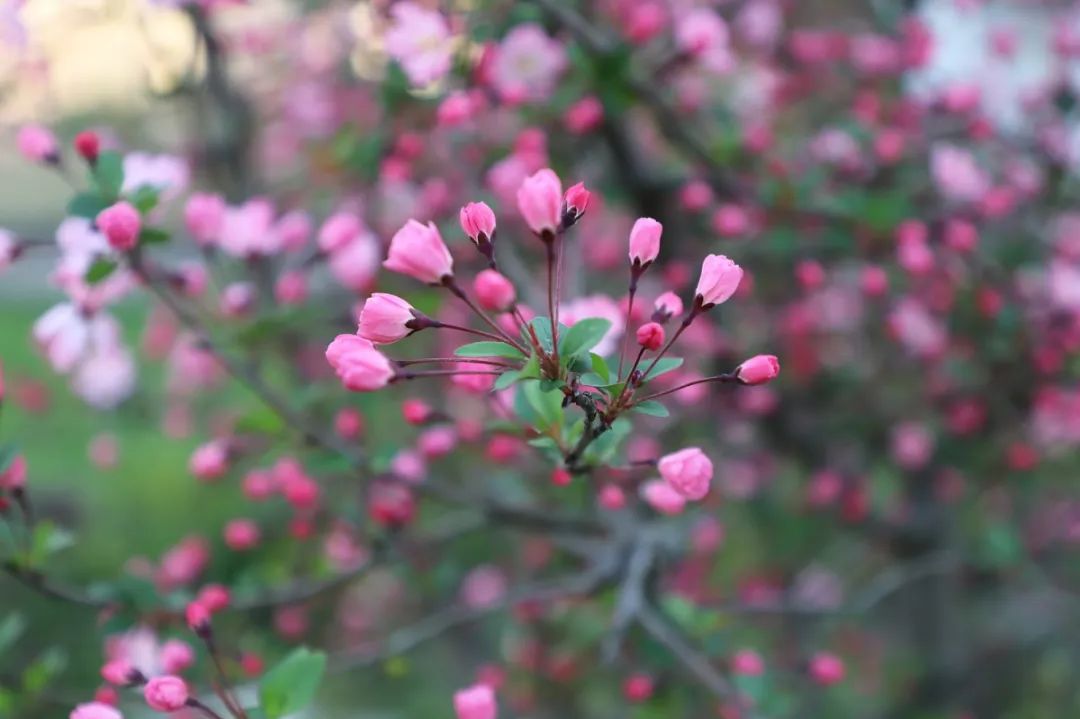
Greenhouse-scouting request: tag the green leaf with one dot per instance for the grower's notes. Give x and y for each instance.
(547, 404)
(145, 198)
(583, 335)
(109, 175)
(665, 365)
(488, 349)
(11, 628)
(49, 539)
(600, 367)
(652, 408)
(592, 379)
(101, 268)
(87, 205)
(153, 236)
(542, 327)
(291, 685)
(506, 379)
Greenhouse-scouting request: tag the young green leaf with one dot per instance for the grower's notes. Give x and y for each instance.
(600, 367)
(109, 175)
(652, 408)
(488, 349)
(291, 685)
(100, 269)
(506, 379)
(87, 205)
(583, 335)
(665, 365)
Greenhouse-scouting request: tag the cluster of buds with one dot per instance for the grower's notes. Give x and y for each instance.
(551, 364)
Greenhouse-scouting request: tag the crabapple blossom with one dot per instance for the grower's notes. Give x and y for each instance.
(687, 471)
(358, 364)
(418, 251)
(95, 710)
(719, 279)
(475, 702)
(120, 224)
(758, 370)
(385, 319)
(645, 241)
(166, 694)
(540, 200)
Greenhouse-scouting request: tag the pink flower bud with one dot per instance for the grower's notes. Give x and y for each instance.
(874, 281)
(349, 423)
(493, 291)
(95, 710)
(759, 369)
(293, 230)
(88, 144)
(291, 288)
(611, 497)
(359, 366)
(455, 109)
(575, 203)
(731, 221)
(475, 702)
(418, 251)
(560, 477)
(645, 241)
(385, 319)
(166, 694)
(210, 461)
(214, 598)
(391, 505)
(666, 306)
(584, 115)
(339, 230)
(118, 672)
(661, 497)
(204, 216)
(415, 411)
(638, 687)
(650, 336)
(176, 656)
(826, 669)
(719, 279)
(747, 663)
(241, 535)
(478, 222)
(540, 202)
(14, 477)
(38, 144)
(687, 471)
(120, 224)
(197, 617)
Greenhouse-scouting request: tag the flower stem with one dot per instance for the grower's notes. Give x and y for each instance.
(725, 378)
(626, 331)
(451, 285)
(450, 360)
(549, 248)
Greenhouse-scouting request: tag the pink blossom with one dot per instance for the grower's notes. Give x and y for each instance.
(210, 461)
(455, 109)
(478, 222)
(483, 587)
(493, 291)
(666, 306)
(385, 319)
(120, 224)
(293, 229)
(584, 115)
(241, 535)
(105, 377)
(747, 662)
(645, 241)
(291, 288)
(688, 472)
(176, 656)
(662, 497)
(719, 279)
(527, 64)
(759, 369)
(9, 249)
(650, 336)
(957, 174)
(703, 35)
(95, 710)
(168, 174)
(475, 702)
(247, 229)
(166, 694)
(539, 200)
(355, 265)
(575, 202)
(339, 230)
(826, 669)
(37, 144)
(419, 39)
(417, 250)
(204, 216)
(358, 364)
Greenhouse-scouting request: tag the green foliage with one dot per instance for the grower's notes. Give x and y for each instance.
(291, 685)
(489, 349)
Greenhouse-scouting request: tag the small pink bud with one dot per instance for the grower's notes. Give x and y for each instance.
(650, 336)
(416, 411)
(385, 319)
(645, 241)
(478, 222)
(339, 230)
(241, 535)
(210, 461)
(540, 200)
(417, 250)
(38, 144)
(359, 366)
(560, 477)
(166, 694)
(120, 224)
(494, 291)
(14, 477)
(349, 423)
(291, 288)
(197, 617)
(584, 116)
(688, 472)
(88, 144)
(455, 109)
(176, 656)
(95, 710)
(475, 702)
(611, 497)
(719, 279)
(759, 369)
(119, 672)
(747, 662)
(667, 305)
(214, 598)
(638, 687)
(575, 203)
(826, 669)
